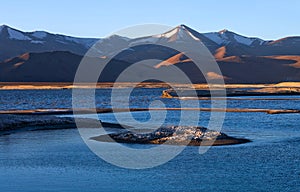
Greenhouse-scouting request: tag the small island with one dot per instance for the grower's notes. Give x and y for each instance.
(173, 135)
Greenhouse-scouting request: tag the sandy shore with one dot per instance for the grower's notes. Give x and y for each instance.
(69, 85)
(53, 112)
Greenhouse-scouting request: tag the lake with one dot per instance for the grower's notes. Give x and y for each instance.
(59, 160)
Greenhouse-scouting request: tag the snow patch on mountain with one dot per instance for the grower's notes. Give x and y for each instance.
(13, 34)
(39, 34)
(218, 38)
(243, 40)
(195, 38)
(225, 37)
(170, 33)
(177, 34)
(86, 42)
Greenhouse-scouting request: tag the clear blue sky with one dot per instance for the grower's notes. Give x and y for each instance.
(268, 19)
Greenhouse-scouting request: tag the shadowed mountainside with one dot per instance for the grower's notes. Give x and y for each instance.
(44, 57)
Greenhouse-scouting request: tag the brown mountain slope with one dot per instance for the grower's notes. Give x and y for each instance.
(251, 69)
(43, 67)
(61, 67)
(294, 60)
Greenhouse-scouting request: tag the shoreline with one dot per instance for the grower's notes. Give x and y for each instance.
(10, 123)
(70, 111)
(70, 85)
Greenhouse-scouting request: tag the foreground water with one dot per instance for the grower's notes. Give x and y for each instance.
(59, 160)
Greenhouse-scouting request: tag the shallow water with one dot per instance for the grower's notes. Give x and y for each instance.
(58, 160)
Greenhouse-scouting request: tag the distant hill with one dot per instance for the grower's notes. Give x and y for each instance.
(14, 42)
(58, 66)
(45, 57)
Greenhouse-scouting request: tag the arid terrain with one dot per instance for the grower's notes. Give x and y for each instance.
(70, 85)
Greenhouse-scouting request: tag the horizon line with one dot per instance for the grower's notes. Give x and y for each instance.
(94, 37)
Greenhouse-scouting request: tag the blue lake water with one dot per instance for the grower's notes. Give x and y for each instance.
(59, 160)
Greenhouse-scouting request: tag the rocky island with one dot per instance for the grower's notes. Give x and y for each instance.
(173, 135)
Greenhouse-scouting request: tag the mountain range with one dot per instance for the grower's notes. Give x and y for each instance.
(44, 57)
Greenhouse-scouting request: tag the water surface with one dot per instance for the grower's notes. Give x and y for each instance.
(58, 160)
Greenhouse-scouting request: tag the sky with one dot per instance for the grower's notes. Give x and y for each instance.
(266, 19)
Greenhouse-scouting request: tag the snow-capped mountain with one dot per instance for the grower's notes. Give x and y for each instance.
(180, 34)
(42, 56)
(42, 37)
(231, 44)
(225, 37)
(14, 42)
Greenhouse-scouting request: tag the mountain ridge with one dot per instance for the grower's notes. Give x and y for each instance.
(43, 41)
(41, 56)
(14, 42)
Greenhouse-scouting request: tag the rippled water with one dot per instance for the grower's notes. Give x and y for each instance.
(59, 160)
